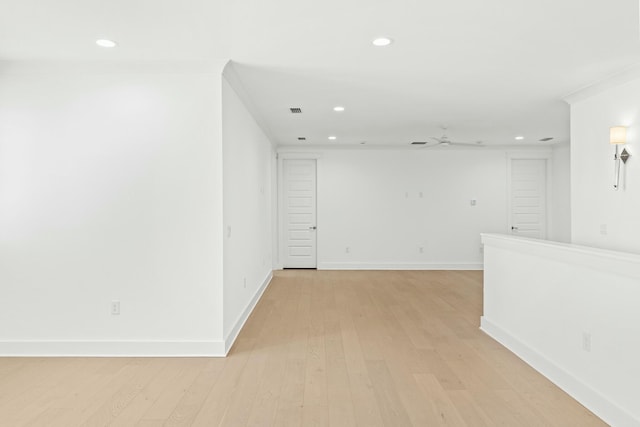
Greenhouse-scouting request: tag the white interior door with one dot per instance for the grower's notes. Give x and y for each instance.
(299, 222)
(529, 198)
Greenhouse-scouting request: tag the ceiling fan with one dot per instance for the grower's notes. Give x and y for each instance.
(445, 141)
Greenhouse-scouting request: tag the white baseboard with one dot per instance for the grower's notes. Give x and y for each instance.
(112, 349)
(61, 348)
(239, 323)
(397, 266)
(583, 393)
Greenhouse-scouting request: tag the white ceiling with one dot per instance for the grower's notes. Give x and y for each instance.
(489, 70)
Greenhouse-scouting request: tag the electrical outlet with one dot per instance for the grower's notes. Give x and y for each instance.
(115, 308)
(473, 202)
(421, 249)
(347, 250)
(421, 195)
(245, 282)
(603, 229)
(228, 231)
(586, 341)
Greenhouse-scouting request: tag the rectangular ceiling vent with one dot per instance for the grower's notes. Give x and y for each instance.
(418, 143)
(296, 110)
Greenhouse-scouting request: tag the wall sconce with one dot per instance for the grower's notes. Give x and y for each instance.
(618, 136)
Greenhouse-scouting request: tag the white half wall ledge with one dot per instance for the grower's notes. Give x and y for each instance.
(571, 312)
(397, 266)
(622, 263)
(112, 349)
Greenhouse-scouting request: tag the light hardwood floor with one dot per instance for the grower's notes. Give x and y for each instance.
(321, 348)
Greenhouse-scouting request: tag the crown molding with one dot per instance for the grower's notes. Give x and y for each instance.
(624, 76)
(39, 67)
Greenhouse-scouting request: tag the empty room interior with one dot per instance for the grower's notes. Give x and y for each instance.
(308, 213)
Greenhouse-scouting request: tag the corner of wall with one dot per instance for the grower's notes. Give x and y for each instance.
(232, 76)
(231, 337)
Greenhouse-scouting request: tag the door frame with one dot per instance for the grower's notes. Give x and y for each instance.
(282, 156)
(546, 155)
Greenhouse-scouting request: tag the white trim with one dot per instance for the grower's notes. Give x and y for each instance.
(590, 398)
(288, 148)
(546, 155)
(286, 155)
(280, 213)
(533, 154)
(53, 348)
(625, 76)
(280, 235)
(72, 67)
(275, 191)
(397, 266)
(112, 349)
(239, 323)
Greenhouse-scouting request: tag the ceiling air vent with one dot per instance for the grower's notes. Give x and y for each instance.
(296, 110)
(302, 138)
(549, 138)
(418, 143)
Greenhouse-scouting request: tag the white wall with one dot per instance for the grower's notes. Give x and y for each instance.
(110, 189)
(541, 298)
(248, 217)
(560, 209)
(595, 205)
(387, 204)
(369, 201)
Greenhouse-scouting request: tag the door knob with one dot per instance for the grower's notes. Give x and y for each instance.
(313, 228)
(514, 228)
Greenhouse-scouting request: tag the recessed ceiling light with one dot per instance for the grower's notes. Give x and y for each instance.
(332, 138)
(519, 138)
(106, 43)
(338, 108)
(382, 41)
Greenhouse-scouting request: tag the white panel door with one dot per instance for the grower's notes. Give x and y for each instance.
(299, 179)
(529, 198)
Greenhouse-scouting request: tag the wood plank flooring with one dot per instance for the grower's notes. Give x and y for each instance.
(322, 348)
